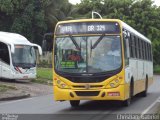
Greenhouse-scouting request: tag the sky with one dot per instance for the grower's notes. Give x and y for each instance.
(74, 1)
(157, 2)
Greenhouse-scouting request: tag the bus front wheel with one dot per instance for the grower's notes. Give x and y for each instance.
(74, 103)
(128, 101)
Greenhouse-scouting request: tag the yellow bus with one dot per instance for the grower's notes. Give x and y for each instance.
(100, 59)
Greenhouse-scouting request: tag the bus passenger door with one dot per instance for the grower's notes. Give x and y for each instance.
(126, 36)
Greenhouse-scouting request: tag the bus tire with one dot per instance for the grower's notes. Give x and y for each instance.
(144, 93)
(74, 103)
(127, 102)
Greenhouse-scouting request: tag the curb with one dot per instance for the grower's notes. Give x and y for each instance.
(15, 97)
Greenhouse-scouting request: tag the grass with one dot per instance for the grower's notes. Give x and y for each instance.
(44, 76)
(4, 88)
(44, 73)
(157, 69)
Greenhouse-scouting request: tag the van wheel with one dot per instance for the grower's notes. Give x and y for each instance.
(74, 103)
(144, 93)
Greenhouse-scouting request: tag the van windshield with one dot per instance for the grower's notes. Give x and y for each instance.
(24, 56)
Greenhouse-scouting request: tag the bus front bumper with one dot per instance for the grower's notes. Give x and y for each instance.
(24, 76)
(117, 93)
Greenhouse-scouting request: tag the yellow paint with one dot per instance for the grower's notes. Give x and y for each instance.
(122, 87)
(139, 85)
(64, 94)
(126, 91)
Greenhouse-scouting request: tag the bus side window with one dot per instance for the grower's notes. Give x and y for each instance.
(133, 47)
(139, 48)
(150, 56)
(146, 51)
(145, 56)
(130, 46)
(143, 45)
(142, 54)
(4, 53)
(151, 53)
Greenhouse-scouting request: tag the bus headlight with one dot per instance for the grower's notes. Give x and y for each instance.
(113, 84)
(61, 84)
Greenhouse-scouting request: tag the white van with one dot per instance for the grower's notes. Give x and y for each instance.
(17, 57)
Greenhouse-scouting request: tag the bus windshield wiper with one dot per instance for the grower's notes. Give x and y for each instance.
(74, 42)
(99, 39)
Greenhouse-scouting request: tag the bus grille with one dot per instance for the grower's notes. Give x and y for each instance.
(87, 93)
(95, 79)
(83, 86)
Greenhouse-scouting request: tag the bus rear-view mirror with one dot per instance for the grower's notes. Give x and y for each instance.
(39, 48)
(12, 48)
(47, 43)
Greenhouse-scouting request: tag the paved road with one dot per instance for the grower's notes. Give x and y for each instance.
(47, 109)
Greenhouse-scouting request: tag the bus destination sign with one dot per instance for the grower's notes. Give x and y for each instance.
(88, 28)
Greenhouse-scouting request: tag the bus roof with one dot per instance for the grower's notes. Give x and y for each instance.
(123, 24)
(13, 38)
(132, 30)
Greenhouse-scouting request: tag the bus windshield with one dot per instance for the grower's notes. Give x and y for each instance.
(24, 56)
(88, 54)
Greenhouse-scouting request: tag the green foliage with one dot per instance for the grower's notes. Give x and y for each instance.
(44, 76)
(44, 73)
(4, 88)
(32, 18)
(157, 69)
(142, 15)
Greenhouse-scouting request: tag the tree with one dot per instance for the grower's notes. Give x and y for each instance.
(142, 15)
(32, 18)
